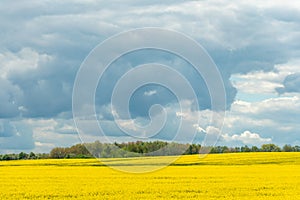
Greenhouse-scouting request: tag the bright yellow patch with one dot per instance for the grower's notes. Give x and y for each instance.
(223, 176)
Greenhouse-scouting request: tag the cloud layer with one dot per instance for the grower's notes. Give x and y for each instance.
(254, 44)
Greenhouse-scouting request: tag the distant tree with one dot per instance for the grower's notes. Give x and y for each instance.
(214, 150)
(42, 156)
(237, 149)
(287, 148)
(6, 157)
(32, 155)
(270, 148)
(254, 149)
(78, 150)
(58, 152)
(245, 149)
(22, 156)
(219, 149)
(296, 148)
(141, 148)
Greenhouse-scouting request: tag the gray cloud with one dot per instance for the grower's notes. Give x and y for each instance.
(16, 136)
(290, 84)
(240, 38)
(9, 95)
(7, 129)
(42, 46)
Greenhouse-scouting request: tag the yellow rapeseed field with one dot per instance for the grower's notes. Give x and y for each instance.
(222, 176)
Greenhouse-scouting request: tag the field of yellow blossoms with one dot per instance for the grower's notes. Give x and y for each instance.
(216, 176)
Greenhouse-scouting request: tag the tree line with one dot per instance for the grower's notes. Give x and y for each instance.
(140, 148)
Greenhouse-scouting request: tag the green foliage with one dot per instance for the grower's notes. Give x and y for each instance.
(140, 148)
(23, 156)
(32, 155)
(270, 148)
(287, 148)
(76, 151)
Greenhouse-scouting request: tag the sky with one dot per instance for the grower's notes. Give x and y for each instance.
(254, 44)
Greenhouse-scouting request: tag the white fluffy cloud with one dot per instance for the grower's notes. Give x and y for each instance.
(276, 118)
(48, 133)
(20, 62)
(247, 138)
(262, 82)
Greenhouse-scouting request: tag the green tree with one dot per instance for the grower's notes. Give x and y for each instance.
(254, 149)
(6, 157)
(287, 148)
(22, 156)
(58, 152)
(270, 148)
(245, 149)
(296, 148)
(32, 155)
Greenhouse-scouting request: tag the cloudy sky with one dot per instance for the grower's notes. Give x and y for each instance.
(254, 44)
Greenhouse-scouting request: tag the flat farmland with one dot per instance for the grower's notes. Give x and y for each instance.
(215, 176)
